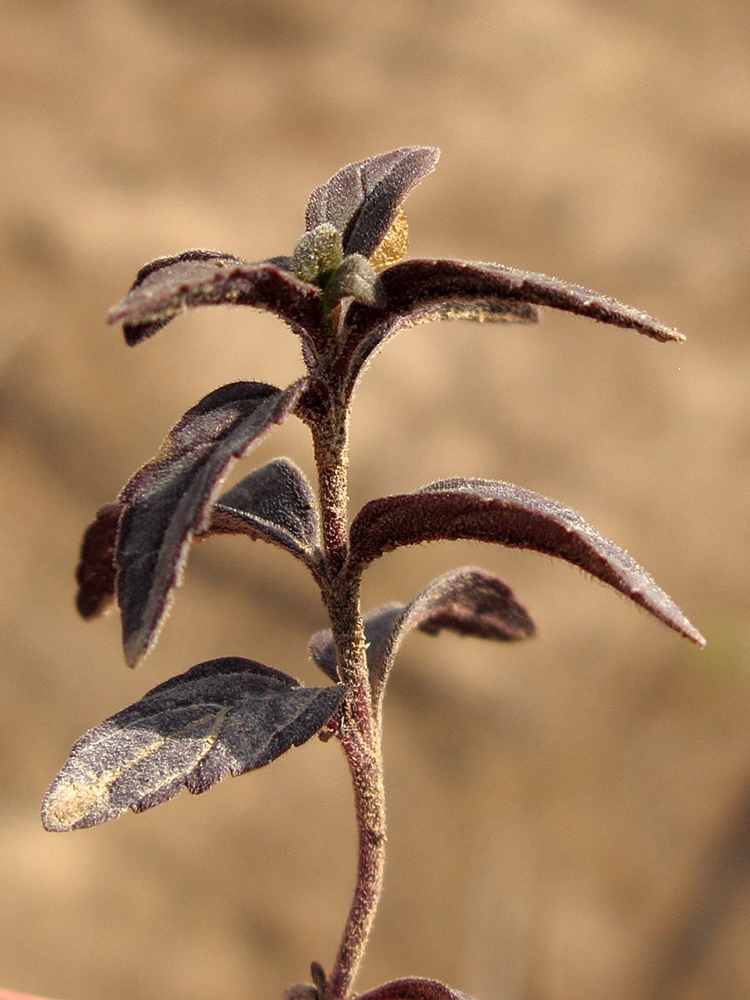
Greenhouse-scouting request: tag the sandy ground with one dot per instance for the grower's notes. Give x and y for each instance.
(568, 819)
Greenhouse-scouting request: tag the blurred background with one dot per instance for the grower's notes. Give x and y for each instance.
(569, 817)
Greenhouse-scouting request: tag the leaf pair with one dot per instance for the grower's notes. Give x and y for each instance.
(362, 200)
(276, 503)
(231, 715)
(472, 601)
(136, 548)
(359, 211)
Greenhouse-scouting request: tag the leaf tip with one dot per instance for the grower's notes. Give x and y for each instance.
(116, 313)
(692, 633)
(70, 805)
(671, 333)
(136, 647)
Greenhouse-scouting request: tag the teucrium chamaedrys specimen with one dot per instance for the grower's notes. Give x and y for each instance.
(344, 291)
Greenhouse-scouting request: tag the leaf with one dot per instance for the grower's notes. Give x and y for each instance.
(168, 286)
(223, 717)
(318, 253)
(491, 511)
(413, 988)
(363, 199)
(275, 503)
(364, 341)
(322, 650)
(415, 291)
(169, 499)
(95, 574)
(356, 277)
(468, 601)
(415, 284)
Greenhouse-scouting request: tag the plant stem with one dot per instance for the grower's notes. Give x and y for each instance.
(359, 734)
(358, 727)
(330, 442)
(365, 765)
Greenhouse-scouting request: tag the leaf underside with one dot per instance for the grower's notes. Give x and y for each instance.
(413, 989)
(170, 285)
(490, 511)
(275, 503)
(223, 717)
(415, 291)
(414, 284)
(468, 601)
(363, 199)
(169, 499)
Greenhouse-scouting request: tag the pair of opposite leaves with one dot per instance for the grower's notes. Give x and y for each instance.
(344, 292)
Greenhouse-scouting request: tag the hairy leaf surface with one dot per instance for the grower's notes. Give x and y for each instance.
(363, 199)
(413, 989)
(416, 284)
(169, 499)
(223, 717)
(415, 291)
(275, 503)
(492, 511)
(168, 286)
(469, 601)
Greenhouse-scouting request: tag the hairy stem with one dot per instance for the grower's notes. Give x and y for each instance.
(365, 764)
(359, 734)
(330, 441)
(358, 729)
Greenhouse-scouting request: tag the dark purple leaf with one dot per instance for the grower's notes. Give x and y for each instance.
(413, 989)
(509, 515)
(95, 574)
(416, 284)
(169, 499)
(223, 717)
(468, 601)
(322, 649)
(275, 503)
(363, 199)
(167, 286)
(415, 291)
(301, 991)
